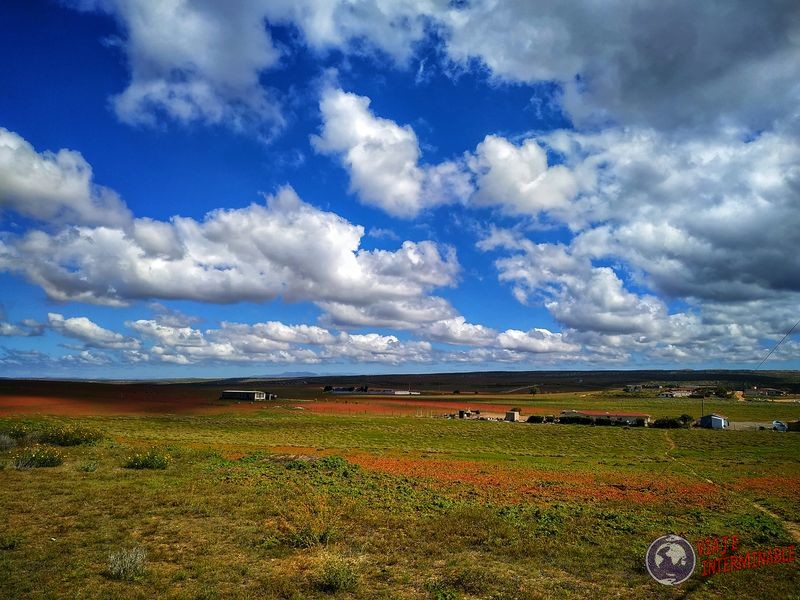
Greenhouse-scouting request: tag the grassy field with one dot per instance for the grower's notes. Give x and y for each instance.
(283, 503)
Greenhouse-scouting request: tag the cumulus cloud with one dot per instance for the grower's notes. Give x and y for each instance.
(675, 65)
(457, 330)
(665, 65)
(25, 328)
(518, 178)
(196, 62)
(90, 333)
(382, 158)
(273, 342)
(383, 161)
(536, 340)
(396, 314)
(203, 62)
(291, 250)
(610, 321)
(694, 215)
(54, 186)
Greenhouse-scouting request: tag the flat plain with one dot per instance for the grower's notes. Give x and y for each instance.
(371, 497)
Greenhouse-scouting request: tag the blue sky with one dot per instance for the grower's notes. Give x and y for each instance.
(193, 189)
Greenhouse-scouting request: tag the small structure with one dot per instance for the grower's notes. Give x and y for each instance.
(714, 421)
(465, 414)
(633, 388)
(760, 392)
(513, 416)
(677, 393)
(613, 417)
(249, 395)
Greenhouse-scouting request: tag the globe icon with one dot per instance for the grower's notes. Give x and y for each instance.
(670, 559)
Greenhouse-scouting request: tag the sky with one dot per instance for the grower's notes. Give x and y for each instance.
(192, 188)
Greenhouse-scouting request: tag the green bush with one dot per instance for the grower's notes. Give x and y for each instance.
(308, 536)
(126, 565)
(69, 436)
(336, 574)
(6, 442)
(10, 542)
(152, 459)
(37, 456)
(19, 431)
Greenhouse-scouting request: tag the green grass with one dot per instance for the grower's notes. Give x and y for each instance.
(240, 514)
(153, 458)
(35, 457)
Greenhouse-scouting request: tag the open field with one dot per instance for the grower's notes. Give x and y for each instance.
(266, 500)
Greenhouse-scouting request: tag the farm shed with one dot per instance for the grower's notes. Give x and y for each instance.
(615, 417)
(249, 395)
(714, 421)
(512, 415)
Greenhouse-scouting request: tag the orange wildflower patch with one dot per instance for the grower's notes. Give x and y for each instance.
(501, 483)
(783, 486)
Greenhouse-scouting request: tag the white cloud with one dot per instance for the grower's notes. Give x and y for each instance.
(25, 328)
(382, 158)
(383, 161)
(373, 347)
(167, 335)
(456, 330)
(272, 342)
(90, 333)
(681, 64)
(396, 314)
(54, 186)
(518, 178)
(290, 249)
(706, 219)
(536, 341)
(196, 62)
(388, 26)
(203, 62)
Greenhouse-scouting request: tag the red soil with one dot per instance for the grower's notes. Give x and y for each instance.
(507, 484)
(127, 404)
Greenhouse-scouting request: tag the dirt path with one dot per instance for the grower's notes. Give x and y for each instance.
(790, 526)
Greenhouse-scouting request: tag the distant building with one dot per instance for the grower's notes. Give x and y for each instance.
(249, 395)
(512, 415)
(366, 391)
(633, 388)
(764, 392)
(617, 417)
(677, 393)
(714, 421)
